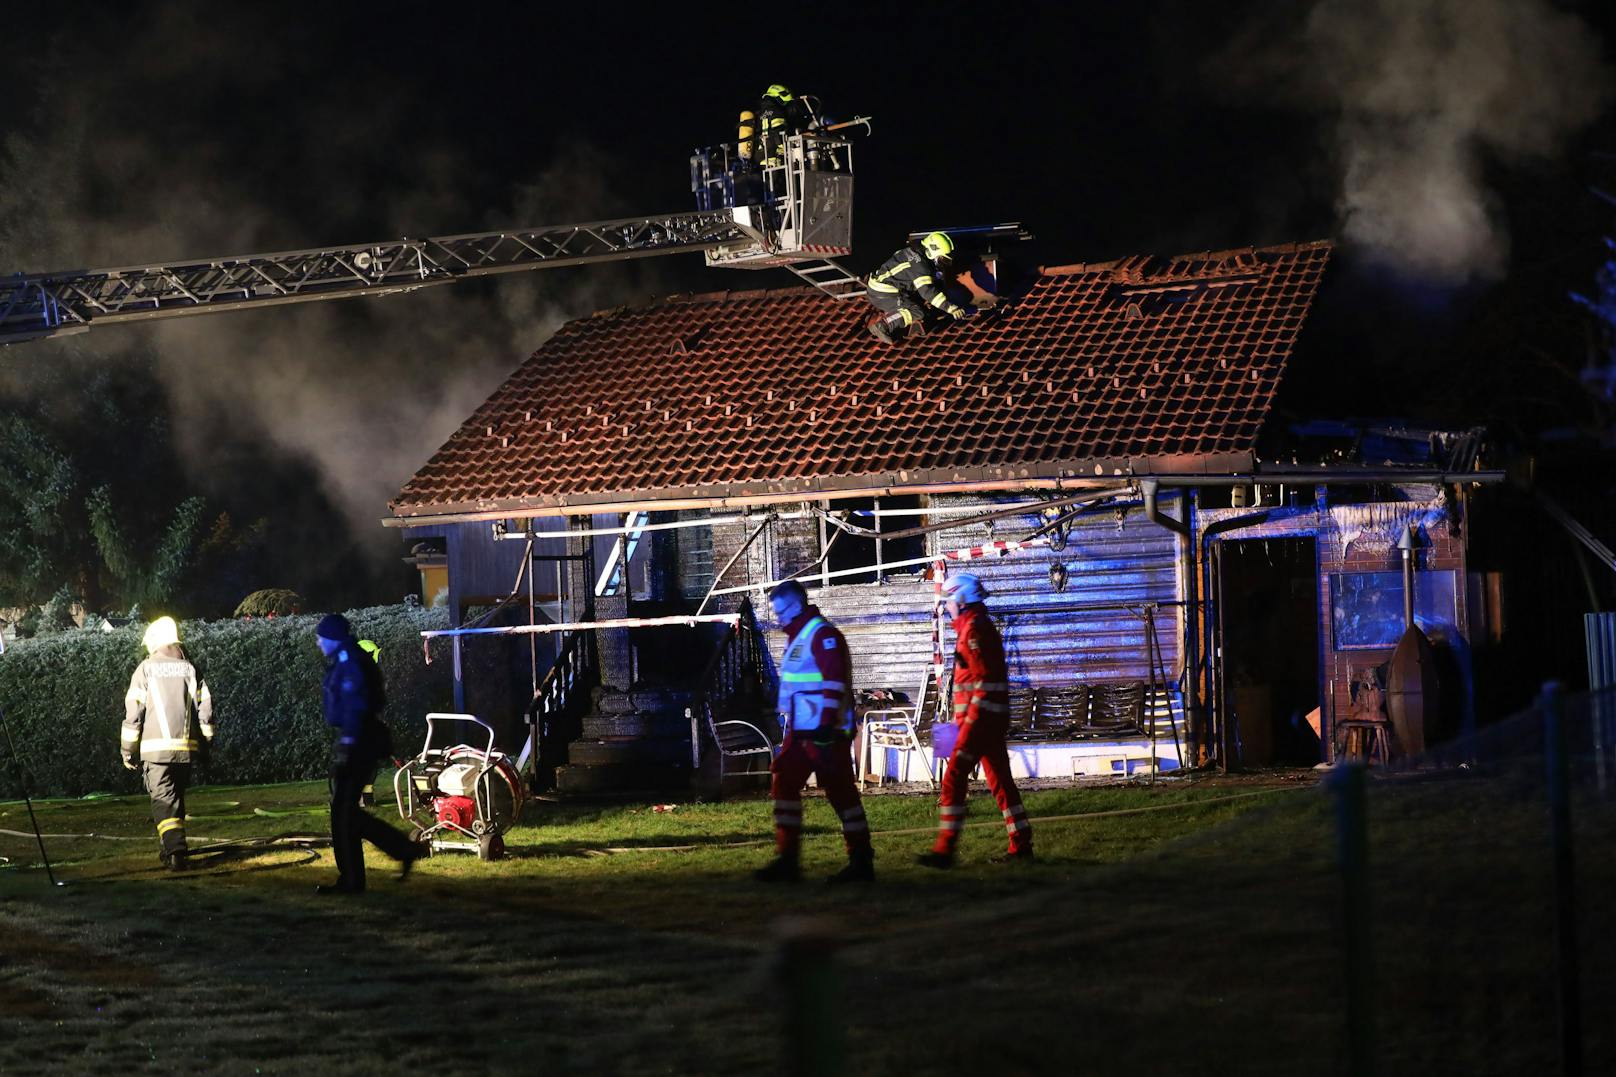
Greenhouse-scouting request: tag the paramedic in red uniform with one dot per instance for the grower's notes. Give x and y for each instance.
(816, 722)
(982, 711)
(353, 699)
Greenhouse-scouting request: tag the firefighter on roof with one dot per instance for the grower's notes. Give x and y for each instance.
(353, 698)
(816, 723)
(982, 712)
(167, 726)
(909, 286)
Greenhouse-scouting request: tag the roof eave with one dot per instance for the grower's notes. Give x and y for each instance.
(1050, 475)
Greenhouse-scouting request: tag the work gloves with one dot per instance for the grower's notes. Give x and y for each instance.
(957, 313)
(129, 763)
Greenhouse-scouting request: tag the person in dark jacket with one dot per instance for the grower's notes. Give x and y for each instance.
(353, 699)
(167, 726)
(909, 287)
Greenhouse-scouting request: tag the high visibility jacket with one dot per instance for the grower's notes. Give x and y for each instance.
(168, 710)
(981, 678)
(815, 678)
(909, 271)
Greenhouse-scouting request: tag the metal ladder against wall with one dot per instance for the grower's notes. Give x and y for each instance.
(830, 277)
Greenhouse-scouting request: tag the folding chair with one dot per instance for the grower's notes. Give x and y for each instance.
(899, 727)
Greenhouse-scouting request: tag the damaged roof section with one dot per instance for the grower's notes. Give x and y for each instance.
(1143, 364)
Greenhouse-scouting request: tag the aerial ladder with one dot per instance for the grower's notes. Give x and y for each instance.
(797, 215)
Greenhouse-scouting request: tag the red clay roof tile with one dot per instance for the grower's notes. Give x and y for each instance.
(1176, 358)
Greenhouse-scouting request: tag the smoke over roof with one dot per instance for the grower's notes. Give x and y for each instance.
(1422, 98)
(151, 140)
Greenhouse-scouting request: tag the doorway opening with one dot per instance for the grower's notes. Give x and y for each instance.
(1269, 592)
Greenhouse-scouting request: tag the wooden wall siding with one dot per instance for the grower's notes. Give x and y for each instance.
(482, 568)
(1363, 538)
(1110, 562)
(888, 624)
(693, 547)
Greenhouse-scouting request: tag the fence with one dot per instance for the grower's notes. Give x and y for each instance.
(1443, 913)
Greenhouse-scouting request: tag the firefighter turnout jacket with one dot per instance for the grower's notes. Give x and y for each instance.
(981, 678)
(168, 710)
(910, 273)
(815, 678)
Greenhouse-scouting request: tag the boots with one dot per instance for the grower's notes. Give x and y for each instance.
(860, 869)
(782, 869)
(1014, 856)
(934, 859)
(892, 328)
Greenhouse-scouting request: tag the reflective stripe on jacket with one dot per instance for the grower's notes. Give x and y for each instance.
(981, 678)
(168, 710)
(815, 673)
(909, 271)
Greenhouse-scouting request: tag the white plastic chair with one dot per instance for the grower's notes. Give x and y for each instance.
(899, 727)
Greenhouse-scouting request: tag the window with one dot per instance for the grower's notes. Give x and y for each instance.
(854, 552)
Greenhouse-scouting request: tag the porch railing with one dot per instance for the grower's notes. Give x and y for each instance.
(563, 693)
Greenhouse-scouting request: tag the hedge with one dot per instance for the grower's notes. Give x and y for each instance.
(63, 698)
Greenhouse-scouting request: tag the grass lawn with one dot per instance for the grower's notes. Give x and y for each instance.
(1185, 928)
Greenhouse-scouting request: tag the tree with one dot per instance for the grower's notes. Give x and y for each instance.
(40, 492)
(81, 504)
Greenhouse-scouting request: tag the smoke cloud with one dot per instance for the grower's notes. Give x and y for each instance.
(363, 390)
(1424, 97)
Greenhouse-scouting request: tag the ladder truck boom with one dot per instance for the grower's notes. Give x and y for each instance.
(791, 216)
(56, 304)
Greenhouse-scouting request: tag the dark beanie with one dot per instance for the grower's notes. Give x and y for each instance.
(334, 626)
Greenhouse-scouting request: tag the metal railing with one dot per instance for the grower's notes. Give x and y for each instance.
(736, 681)
(569, 680)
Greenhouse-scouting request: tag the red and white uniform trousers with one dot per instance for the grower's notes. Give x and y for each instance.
(982, 712)
(817, 718)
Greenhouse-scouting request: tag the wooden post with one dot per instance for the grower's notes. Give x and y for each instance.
(1352, 844)
(814, 1041)
(1565, 903)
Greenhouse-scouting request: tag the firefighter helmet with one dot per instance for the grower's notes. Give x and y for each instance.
(160, 633)
(938, 247)
(964, 588)
(779, 92)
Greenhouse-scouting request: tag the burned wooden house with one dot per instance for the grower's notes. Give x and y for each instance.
(608, 518)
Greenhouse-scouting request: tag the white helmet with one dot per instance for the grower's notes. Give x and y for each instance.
(964, 588)
(160, 633)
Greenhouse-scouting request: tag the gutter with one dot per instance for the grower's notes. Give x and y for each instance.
(1189, 687)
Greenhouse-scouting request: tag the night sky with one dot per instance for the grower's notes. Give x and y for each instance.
(1448, 144)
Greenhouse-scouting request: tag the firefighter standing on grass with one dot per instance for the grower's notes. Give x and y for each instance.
(982, 711)
(353, 699)
(816, 720)
(909, 286)
(167, 726)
